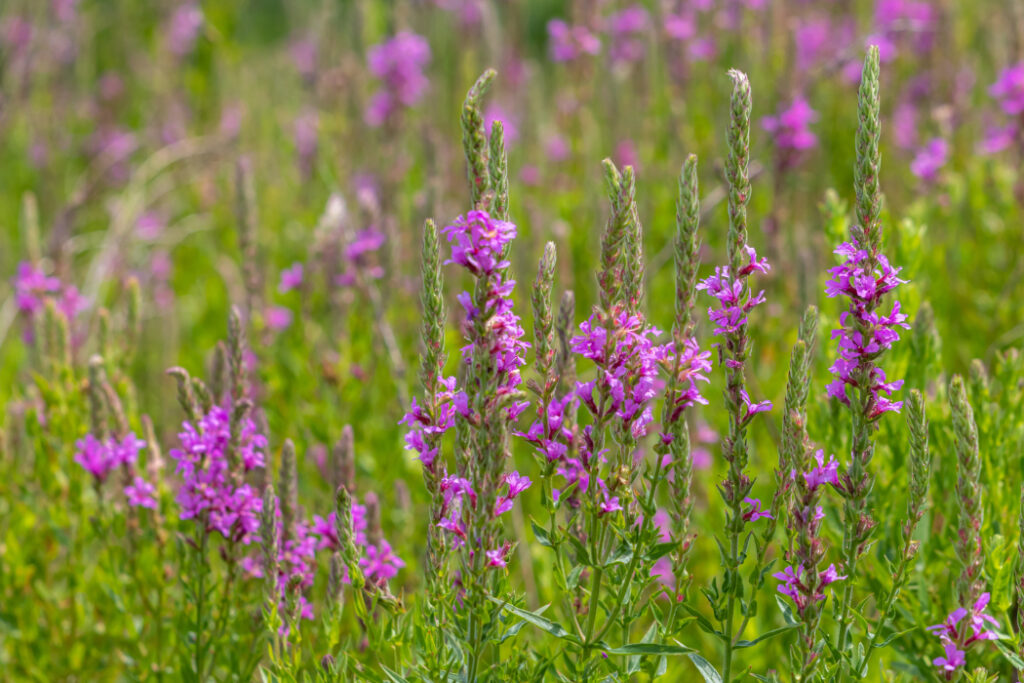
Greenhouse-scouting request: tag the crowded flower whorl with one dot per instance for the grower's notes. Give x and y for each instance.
(210, 490)
(864, 333)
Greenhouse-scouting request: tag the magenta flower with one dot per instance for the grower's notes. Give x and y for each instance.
(478, 241)
(755, 512)
(998, 138)
(517, 483)
(733, 296)
(140, 493)
(793, 586)
(496, 558)
(824, 473)
(953, 660)
(864, 333)
(100, 458)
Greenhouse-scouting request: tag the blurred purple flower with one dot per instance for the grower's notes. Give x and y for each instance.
(398, 63)
(140, 493)
(791, 126)
(904, 125)
(66, 11)
(305, 133)
(567, 43)
(703, 49)
(150, 225)
(1009, 89)
(510, 124)
(626, 29)
(304, 57)
(278, 318)
(930, 159)
(100, 458)
(680, 26)
(291, 278)
(183, 29)
(998, 138)
(556, 148)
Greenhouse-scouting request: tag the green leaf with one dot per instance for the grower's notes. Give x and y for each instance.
(894, 636)
(703, 622)
(787, 611)
(650, 649)
(542, 536)
(765, 636)
(1010, 655)
(660, 550)
(540, 622)
(709, 672)
(392, 676)
(621, 555)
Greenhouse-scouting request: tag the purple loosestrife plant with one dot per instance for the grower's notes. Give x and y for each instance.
(920, 472)
(865, 333)
(729, 285)
(800, 480)
(469, 502)
(969, 623)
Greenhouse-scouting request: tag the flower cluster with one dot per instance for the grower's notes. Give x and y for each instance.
(864, 333)
(734, 299)
(791, 126)
(929, 159)
(32, 288)
(358, 261)
(795, 585)
(100, 458)
(398, 63)
(799, 582)
(627, 369)
(459, 499)
(378, 562)
(478, 244)
(1008, 90)
(957, 638)
(427, 426)
(568, 43)
(213, 488)
(626, 29)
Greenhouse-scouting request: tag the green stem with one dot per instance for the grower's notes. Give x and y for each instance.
(730, 603)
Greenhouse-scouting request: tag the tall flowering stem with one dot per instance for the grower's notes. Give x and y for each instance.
(865, 333)
(674, 445)
(729, 285)
(804, 582)
(968, 492)
(475, 142)
(431, 420)
(920, 473)
(969, 623)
